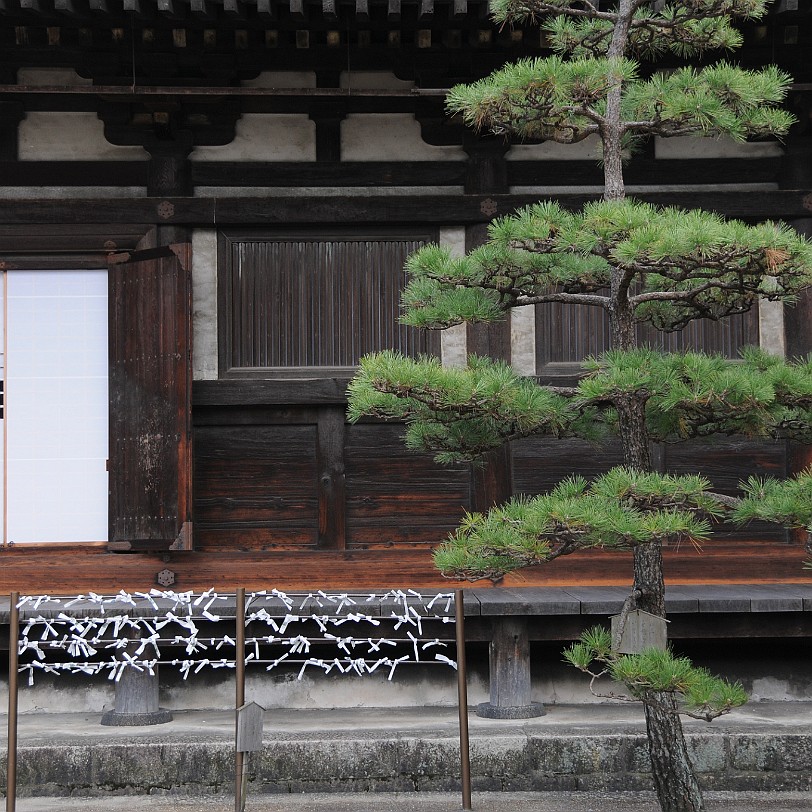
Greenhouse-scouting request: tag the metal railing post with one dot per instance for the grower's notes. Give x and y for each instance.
(239, 663)
(462, 700)
(13, 684)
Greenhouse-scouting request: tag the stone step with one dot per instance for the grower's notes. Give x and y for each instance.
(765, 747)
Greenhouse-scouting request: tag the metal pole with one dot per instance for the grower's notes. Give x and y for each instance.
(239, 662)
(462, 700)
(13, 662)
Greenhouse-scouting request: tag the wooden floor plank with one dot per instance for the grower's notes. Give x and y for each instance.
(528, 601)
(681, 599)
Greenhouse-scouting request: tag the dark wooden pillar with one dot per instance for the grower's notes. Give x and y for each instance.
(492, 483)
(11, 114)
(487, 169)
(796, 173)
(328, 135)
(170, 171)
(510, 672)
(332, 494)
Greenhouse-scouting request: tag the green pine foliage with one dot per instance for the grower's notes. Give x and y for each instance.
(677, 265)
(565, 100)
(693, 394)
(617, 511)
(461, 414)
(787, 501)
(640, 265)
(654, 672)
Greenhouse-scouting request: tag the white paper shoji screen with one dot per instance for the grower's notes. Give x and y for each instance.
(56, 406)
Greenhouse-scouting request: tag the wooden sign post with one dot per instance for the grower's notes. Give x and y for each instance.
(641, 630)
(249, 727)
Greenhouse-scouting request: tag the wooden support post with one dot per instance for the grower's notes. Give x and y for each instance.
(136, 698)
(510, 672)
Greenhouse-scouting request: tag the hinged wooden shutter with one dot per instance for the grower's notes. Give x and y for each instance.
(150, 400)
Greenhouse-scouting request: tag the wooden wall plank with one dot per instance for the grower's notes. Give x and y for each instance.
(255, 486)
(396, 497)
(332, 480)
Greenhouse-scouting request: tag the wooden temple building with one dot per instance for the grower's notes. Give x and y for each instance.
(214, 200)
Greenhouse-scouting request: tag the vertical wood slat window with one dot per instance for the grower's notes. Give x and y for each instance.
(568, 334)
(317, 302)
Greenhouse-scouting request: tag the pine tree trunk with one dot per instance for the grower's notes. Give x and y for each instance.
(674, 779)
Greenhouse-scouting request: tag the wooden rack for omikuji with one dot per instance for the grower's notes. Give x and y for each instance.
(96, 634)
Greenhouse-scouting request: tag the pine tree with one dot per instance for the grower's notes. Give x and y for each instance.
(639, 264)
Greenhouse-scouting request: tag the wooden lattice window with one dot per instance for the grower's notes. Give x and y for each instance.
(566, 335)
(303, 304)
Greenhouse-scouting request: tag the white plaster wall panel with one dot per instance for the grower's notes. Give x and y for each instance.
(771, 333)
(696, 147)
(50, 76)
(262, 137)
(204, 304)
(390, 137)
(282, 79)
(69, 137)
(587, 150)
(523, 339)
(373, 80)
(454, 340)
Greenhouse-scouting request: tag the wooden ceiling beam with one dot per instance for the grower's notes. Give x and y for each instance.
(233, 9)
(65, 7)
(354, 209)
(297, 11)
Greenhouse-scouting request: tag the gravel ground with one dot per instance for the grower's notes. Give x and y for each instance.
(423, 802)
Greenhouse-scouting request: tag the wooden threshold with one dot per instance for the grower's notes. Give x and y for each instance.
(74, 569)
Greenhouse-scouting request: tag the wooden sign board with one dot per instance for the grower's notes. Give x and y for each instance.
(249, 727)
(641, 631)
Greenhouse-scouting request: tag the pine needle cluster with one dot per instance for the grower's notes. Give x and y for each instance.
(787, 501)
(617, 511)
(654, 672)
(675, 265)
(461, 413)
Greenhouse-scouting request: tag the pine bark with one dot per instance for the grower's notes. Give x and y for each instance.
(674, 778)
